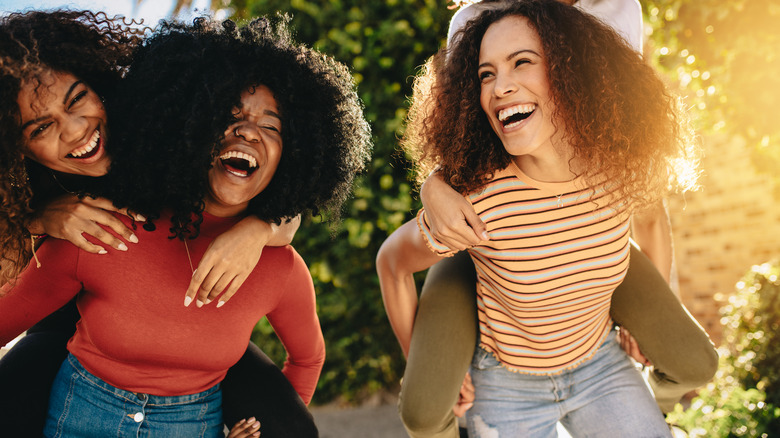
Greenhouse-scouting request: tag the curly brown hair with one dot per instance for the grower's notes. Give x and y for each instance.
(616, 114)
(92, 47)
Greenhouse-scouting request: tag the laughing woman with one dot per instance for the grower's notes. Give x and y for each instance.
(224, 122)
(560, 132)
(58, 70)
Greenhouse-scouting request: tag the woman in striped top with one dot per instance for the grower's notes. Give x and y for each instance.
(557, 130)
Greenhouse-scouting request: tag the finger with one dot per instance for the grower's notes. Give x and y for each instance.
(232, 289)
(478, 228)
(116, 225)
(86, 245)
(100, 233)
(208, 284)
(195, 283)
(222, 284)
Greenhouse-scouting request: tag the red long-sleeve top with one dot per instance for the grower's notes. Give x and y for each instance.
(135, 332)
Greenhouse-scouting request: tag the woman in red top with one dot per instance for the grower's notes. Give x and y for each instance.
(290, 137)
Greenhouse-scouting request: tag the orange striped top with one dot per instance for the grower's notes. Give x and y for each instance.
(545, 279)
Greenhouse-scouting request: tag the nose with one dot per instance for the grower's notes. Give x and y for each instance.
(247, 131)
(74, 128)
(504, 85)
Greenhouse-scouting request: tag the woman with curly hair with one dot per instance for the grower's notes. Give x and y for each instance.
(671, 341)
(234, 121)
(556, 131)
(56, 70)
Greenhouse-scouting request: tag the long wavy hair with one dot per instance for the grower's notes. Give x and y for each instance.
(615, 113)
(179, 96)
(92, 47)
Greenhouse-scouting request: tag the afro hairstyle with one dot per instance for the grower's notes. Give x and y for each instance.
(181, 94)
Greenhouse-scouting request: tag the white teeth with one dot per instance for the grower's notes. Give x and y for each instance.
(508, 112)
(241, 156)
(87, 148)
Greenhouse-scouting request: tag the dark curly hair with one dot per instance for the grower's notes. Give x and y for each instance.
(615, 112)
(179, 96)
(92, 47)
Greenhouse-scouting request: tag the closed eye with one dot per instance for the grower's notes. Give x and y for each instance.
(77, 98)
(483, 76)
(522, 61)
(39, 130)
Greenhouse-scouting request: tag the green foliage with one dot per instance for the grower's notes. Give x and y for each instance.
(384, 42)
(723, 54)
(744, 398)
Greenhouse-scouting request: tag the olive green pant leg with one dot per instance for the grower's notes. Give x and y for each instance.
(443, 341)
(681, 352)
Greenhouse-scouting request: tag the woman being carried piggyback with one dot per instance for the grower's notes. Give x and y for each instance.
(556, 130)
(224, 122)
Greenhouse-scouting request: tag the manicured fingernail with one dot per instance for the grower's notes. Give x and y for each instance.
(102, 251)
(193, 272)
(122, 246)
(485, 236)
(133, 238)
(199, 303)
(187, 301)
(140, 218)
(256, 425)
(208, 300)
(251, 420)
(220, 304)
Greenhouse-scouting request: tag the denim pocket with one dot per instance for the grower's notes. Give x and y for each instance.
(484, 360)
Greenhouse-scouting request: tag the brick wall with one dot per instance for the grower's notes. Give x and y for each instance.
(720, 231)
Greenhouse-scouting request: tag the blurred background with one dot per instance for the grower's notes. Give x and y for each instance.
(721, 55)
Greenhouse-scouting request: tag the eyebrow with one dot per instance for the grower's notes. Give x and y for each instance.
(271, 113)
(64, 100)
(511, 55)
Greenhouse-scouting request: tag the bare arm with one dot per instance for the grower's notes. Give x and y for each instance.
(401, 255)
(453, 219)
(653, 233)
(232, 256)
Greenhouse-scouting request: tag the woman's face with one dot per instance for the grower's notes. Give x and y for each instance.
(515, 91)
(63, 125)
(248, 156)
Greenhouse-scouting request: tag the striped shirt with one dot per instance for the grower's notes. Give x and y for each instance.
(545, 279)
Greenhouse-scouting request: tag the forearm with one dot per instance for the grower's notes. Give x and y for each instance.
(283, 233)
(653, 233)
(401, 255)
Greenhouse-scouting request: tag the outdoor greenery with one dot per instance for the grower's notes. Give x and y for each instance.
(744, 398)
(721, 54)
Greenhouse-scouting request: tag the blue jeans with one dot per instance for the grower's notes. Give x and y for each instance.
(83, 405)
(603, 397)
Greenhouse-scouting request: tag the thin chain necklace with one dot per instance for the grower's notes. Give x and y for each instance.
(187, 248)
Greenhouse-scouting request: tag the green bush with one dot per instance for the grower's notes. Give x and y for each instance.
(384, 43)
(744, 398)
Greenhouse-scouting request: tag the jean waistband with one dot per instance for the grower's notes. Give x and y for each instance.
(135, 397)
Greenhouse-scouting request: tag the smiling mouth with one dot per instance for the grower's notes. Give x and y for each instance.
(89, 149)
(239, 163)
(512, 116)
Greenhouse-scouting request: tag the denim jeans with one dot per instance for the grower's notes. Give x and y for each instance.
(82, 405)
(603, 397)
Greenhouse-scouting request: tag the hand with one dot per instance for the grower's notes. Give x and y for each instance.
(69, 217)
(453, 220)
(631, 347)
(245, 428)
(465, 398)
(228, 261)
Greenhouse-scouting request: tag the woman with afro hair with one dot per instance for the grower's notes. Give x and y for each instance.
(42, 183)
(561, 132)
(239, 115)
